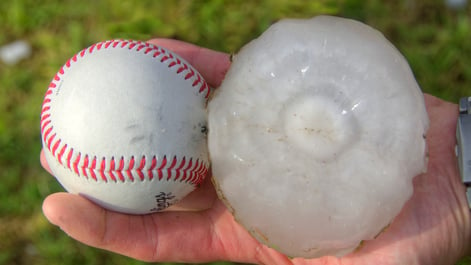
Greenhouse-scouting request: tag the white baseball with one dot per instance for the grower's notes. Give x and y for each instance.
(123, 123)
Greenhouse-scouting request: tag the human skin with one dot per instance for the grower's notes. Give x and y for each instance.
(432, 228)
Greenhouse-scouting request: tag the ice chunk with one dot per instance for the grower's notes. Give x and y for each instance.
(316, 134)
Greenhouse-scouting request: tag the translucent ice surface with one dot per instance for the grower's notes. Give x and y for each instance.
(316, 134)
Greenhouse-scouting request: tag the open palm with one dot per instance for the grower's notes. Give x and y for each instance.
(432, 228)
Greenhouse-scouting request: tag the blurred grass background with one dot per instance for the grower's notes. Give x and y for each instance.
(435, 38)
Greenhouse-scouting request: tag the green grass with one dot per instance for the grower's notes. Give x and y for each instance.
(435, 40)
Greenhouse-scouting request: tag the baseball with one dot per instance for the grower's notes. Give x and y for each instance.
(123, 123)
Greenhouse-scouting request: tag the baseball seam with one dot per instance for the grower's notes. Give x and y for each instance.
(124, 169)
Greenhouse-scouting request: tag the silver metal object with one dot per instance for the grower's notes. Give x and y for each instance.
(463, 146)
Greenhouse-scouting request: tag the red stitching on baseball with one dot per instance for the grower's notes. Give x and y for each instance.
(50, 139)
(152, 167)
(75, 164)
(156, 54)
(186, 170)
(189, 75)
(161, 168)
(102, 170)
(129, 170)
(134, 44)
(46, 121)
(141, 167)
(90, 50)
(74, 58)
(169, 169)
(112, 176)
(120, 170)
(92, 169)
(197, 80)
(69, 157)
(189, 171)
(85, 166)
(164, 58)
(172, 64)
(179, 168)
(61, 153)
(194, 171)
(182, 68)
(204, 87)
(54, 148)
(112, 170)
(198, 171)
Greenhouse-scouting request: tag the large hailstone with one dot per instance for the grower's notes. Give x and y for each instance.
(315, 135)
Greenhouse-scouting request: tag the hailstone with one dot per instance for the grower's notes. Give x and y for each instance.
(316, 134)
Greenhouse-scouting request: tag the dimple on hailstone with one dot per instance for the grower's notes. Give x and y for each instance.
(316, 134)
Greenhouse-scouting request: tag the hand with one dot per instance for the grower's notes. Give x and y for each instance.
(432, 228)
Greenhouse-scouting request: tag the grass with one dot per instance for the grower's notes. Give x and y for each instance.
(434, 39)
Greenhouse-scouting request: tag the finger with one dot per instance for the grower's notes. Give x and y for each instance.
(166, 236)
(201, 198)
(443, 116)
(213, 65)
(44, 164)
